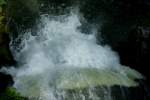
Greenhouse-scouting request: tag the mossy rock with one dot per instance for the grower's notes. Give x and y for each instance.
(87, 77)
(82, 84)
(22, 13)
(11, 94)
(78, 79)
(3, 27)
(5, 54)
(97, 84)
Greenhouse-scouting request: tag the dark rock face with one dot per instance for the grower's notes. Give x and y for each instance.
(135, 52)
(125, 26)
(5, 54)
(5, 81)
(6, 57)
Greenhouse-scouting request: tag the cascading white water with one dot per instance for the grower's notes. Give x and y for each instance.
(56, 46)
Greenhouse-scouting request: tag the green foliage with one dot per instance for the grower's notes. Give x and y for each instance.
(2, 16)
(2, 2)
(11, 94)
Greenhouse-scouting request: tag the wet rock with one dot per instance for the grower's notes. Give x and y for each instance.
(5, 54)
(21, 15)
(135, 52)
(5, 81)
(105, 88)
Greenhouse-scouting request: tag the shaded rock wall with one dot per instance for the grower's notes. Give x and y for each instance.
(5, 54)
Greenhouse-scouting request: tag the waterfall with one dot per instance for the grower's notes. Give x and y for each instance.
(58, 56)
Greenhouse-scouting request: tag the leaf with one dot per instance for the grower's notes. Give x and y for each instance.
(2, 2)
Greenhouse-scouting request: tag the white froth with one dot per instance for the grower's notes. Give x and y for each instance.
(57, 43)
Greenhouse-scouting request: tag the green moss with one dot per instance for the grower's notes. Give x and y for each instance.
(2, 2)
(11, 94)
(2, 17)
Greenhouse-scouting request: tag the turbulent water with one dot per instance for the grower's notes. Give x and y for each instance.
(57, 44)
